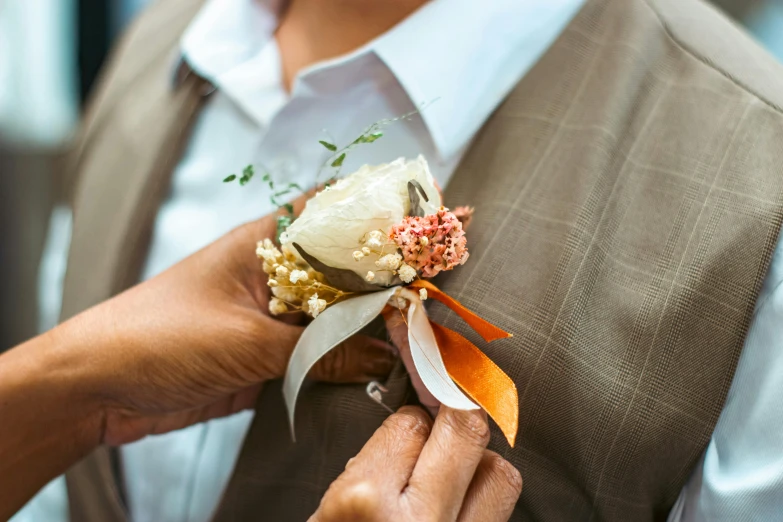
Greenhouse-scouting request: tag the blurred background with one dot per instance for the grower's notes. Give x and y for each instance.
(50, 54)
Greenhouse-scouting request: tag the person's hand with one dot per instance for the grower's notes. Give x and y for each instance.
(397, 328)
(412, 469)
(195, 343)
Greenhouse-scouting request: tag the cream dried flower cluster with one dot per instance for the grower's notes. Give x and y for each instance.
(387, 257)
(295, 285)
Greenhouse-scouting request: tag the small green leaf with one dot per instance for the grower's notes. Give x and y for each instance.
(289, 208)
(281, 193)
(283, 222)
(247, 174)
(328, 145)
(230, 178)
(339, 161)
(368, 137)
(266, 177)
(295, 186)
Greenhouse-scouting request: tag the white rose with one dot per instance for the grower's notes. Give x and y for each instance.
(335, 222)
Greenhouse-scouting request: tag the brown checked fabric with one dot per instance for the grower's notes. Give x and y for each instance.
(629, 194)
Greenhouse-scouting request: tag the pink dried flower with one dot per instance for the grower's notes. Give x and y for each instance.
(431, 243)
(465, 215)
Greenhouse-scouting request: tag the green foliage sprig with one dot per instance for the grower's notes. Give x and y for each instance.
(283, 221)
(333, 164)
(370, 135)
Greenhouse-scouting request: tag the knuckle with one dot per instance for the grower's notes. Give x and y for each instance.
(351, 501)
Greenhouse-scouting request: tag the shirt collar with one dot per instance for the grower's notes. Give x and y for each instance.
(458, 58)
(468, 55)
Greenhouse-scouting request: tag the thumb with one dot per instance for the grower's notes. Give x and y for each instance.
(358, 359)
(398, 331)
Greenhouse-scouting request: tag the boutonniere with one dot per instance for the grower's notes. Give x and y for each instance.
(373, 239)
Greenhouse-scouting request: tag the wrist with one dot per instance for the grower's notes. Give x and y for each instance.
(49, 422)
(69, 366)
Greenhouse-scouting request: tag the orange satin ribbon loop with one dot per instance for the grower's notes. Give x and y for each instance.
(485, 329)
(474, 372)
(480, 378)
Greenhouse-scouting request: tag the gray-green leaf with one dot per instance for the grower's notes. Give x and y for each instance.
(340, 278)
(414, 189)
(230, 178)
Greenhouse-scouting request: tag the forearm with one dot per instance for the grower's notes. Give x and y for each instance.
(48, 420)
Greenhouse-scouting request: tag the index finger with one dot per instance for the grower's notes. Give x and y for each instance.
(391, 453)
(449, 460)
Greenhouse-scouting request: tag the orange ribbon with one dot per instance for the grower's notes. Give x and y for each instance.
(474, 372)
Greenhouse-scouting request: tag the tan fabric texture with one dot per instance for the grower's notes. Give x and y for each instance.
(130, 142)
(629, 195)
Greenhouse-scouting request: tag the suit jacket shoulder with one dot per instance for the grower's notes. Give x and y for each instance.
(716, 42)
(148, 43)
(155, 33)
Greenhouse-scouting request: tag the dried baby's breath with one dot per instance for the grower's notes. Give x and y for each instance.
(295, 286)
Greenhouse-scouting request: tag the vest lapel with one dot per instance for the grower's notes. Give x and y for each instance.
(125, 170)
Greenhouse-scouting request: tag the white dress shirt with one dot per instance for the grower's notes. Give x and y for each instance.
(251, 119)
